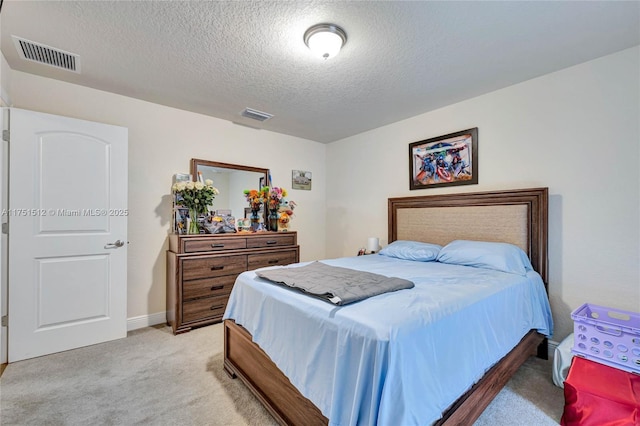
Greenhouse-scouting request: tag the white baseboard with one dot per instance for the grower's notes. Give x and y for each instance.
(146, 321)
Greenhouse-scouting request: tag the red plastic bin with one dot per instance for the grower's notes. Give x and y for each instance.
(599, 395)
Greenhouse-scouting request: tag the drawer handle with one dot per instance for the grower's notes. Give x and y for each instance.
(214, 307)
(217, 287)
(217, 268)
(272, 262)
(217, 245)
(272, 242)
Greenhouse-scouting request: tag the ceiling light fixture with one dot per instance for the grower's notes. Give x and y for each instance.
(325, 40)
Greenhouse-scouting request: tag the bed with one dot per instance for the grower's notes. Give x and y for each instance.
(351, 369)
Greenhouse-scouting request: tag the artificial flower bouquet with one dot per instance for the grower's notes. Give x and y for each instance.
(274, 200)
(276, 197)
(195, 196)
(281, 208)
(256, 197)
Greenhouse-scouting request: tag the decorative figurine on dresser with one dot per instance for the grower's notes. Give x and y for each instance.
(202, 267)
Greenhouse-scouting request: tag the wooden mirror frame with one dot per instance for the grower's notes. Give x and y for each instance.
(195, 162)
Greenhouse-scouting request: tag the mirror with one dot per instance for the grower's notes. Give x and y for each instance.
(231, 180)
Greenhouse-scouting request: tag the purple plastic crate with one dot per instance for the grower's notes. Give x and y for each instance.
(608, 336)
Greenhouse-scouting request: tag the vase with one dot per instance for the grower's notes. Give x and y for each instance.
(273, 220)
(193, 222)
(255, 220)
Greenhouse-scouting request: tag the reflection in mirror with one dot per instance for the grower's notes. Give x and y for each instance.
(231, 180)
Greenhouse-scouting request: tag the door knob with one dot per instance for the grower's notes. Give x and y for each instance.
(114, 245)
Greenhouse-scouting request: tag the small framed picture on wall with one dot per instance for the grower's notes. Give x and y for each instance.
(181, 177)
(301, 179)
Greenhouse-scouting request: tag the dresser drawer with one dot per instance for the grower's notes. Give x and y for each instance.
(270, 259)
(209, 266)
(271, 241)
(204, 308)
(208, 287)
(214, 244)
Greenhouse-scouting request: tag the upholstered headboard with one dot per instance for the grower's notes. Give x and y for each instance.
(519, 217)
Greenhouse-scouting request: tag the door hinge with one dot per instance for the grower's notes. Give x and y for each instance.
(5, 321)
(5, 228)
(5, 135)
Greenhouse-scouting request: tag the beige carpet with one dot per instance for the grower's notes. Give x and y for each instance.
(155, 378)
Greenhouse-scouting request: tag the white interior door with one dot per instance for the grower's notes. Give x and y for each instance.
(67, 233)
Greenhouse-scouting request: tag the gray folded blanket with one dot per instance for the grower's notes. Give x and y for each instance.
(337, 285)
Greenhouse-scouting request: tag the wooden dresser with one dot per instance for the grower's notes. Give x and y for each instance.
(201, 271)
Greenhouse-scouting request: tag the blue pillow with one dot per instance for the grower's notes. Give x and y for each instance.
(481, 254)
(411, 250)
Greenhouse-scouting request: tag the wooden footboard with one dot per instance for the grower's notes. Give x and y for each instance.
(244, 359)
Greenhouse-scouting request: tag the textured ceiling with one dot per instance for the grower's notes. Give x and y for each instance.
(401, 58)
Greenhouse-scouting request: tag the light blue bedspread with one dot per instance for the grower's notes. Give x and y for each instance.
(400, 358)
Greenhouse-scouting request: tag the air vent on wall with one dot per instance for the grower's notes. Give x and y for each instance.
(255, 114)
(43, 54)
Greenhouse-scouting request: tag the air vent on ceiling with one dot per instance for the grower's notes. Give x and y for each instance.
(255, 114)
(43, 54)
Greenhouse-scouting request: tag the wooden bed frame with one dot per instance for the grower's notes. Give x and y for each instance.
(518, 217)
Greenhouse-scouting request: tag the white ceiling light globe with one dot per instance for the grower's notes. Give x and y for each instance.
(325, 45)
(325, 40)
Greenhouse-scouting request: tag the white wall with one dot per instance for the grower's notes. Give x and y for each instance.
(575, 131)
(162, 141)
(5, 82)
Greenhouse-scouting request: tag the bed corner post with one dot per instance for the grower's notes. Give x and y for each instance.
(543, 217)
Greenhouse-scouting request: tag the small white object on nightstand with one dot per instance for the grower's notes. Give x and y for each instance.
(373, 244)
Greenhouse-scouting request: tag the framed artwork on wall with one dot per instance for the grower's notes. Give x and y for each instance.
(447, 160)
(300, 179)
(181, 177)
